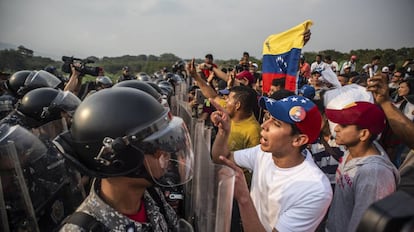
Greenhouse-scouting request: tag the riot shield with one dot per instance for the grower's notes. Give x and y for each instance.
(48, 131)
(16, 208)
(179, 98)
(54, 191)
(174, 105)
(184, 226)
(212, 187)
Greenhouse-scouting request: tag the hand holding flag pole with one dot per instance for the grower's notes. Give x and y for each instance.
(281, 54)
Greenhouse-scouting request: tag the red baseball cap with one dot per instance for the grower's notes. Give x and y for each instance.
(366, 115)
(245, 74)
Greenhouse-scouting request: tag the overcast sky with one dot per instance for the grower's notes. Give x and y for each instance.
(192, 28)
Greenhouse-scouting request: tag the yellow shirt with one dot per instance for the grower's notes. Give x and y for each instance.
(244, 134)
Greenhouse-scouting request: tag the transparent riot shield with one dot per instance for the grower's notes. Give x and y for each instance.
(174, 105)
(179, 98)
(16, 208)
(54, 191)
(49, 131)
(182, 91)
(184, 226)
(184, 112)
(212, 187)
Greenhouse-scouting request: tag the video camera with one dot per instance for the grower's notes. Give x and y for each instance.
(80, 66)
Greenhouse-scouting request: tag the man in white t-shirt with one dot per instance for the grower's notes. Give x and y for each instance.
(332, 64)
(318, 65)
(288, 191)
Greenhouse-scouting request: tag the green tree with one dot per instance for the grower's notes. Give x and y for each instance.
(12, 60)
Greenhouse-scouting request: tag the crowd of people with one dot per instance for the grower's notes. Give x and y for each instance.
(104, 156)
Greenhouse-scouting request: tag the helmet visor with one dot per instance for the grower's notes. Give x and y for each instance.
(168, 155)
(50, 130)
(64, 101)
(39, 79)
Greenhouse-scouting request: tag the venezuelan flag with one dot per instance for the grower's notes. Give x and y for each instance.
(281, 54)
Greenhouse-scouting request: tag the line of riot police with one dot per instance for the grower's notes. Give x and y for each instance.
(44, 166)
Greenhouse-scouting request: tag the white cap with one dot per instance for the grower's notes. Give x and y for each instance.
(385, 69)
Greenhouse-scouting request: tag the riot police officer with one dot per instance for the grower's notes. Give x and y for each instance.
(129, 142)
(37, 192)
(41, 106)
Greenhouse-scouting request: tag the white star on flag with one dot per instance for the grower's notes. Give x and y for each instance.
(294, 99)
(284, 100)
(270, 100)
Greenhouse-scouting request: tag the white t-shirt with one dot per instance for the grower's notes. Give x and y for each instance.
(334, 66)
(408, 110)
(288, 199)
(321, 66)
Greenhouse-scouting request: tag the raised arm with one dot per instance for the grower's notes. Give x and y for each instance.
(75, 81)
(400, 124)
(248, 213)
(221, 119)
(206, 89)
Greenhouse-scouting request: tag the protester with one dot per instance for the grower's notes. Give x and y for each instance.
(372, 68)
(277, 84)
(245, 62)
(307, 91)
(401, 126)
(288, 192)
(206, 69)
(394, 84)
(304, 68)
(318, 65)
(351, 63)
(406, 88)
(365, 174)
(332, 64)
(343, 79)
(316, 82)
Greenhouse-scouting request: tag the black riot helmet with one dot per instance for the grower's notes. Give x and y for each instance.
(32, 80)
(144, 86)
(176, 79)
(17, 80)
(34, 182)
(142, 76)
(43, 105)
(115, 130)
(166, 88)
(155, 86)
(103, 82)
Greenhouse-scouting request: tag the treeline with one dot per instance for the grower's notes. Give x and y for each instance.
(22, 58)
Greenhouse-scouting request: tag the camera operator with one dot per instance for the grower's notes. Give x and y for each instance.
(77, 68)
(75, 80)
